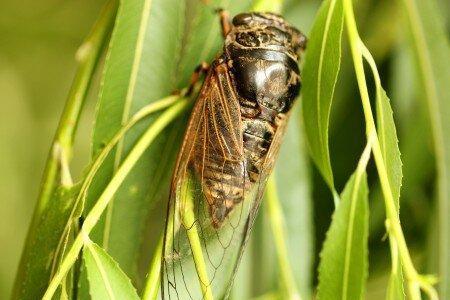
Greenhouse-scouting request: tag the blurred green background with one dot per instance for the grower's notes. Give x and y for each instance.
(38, 42)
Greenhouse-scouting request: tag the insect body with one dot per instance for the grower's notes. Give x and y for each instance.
(230, 147)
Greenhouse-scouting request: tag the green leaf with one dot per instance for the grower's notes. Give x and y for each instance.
(106, 279)
(34, 272)
(294, 190)
(431, 46)
(319, 79)
(387, 136)
(395, 289)
(143, 65)
(42, 252)
(344, 262)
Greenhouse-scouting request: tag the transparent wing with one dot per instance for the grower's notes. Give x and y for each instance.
(258, 190)
(212, 204)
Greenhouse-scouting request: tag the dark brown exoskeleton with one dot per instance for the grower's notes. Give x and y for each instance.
(231, 143)
(257, 77)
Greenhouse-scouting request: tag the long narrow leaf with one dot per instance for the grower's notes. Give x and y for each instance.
(344, 257)
(389, 146)
(387, 135)
(143, 65)
(319, 78)
(52, 207)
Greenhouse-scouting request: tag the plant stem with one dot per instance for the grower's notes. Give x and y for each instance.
(60, 152)
(153, 278)
(79, 202)
(91, 219)
(87, 56)
(276, 221)
(391, 211)
(189, 222)
(153, 281)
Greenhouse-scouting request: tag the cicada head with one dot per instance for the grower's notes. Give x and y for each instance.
(267, 31)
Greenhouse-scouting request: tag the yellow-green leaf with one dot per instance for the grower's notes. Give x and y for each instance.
(387, 136)
(106, 279)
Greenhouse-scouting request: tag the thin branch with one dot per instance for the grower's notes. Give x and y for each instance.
(87, 56)
(393, 220)
(94, 215)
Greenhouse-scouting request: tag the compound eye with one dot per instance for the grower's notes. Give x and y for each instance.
(247, 39)
(242, 19)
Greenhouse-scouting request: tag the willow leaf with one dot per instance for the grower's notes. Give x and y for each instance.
(431, 46)
(344, 262)
(387, 136)
(143, 65)
(49, 229)
(34, 270)
(106, 279)
(320, 72)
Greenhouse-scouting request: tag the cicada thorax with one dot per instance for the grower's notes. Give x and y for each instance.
(230, 146)
(258, 68)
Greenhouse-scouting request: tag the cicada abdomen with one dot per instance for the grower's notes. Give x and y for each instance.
(229, 149)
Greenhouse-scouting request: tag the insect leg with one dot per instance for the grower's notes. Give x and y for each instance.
(203, 68)
(225, 22)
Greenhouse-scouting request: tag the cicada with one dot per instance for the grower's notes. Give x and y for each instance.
(229, 149)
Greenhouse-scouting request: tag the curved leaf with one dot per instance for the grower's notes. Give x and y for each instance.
(319, 78)
(387, 136)
(34, 270)
(144, 65)
(106, 279)
(344, 262)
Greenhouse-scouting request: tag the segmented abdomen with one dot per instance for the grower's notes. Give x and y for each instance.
(257, 138)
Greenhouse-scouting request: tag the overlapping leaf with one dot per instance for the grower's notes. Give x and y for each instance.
(144, 65)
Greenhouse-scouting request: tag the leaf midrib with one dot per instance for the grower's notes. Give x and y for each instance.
(349, 236)
(319, 72)
(127, 106)
(102, 271)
